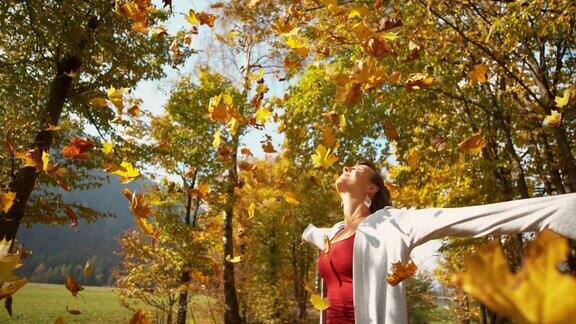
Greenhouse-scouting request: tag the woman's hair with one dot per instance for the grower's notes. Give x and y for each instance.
(382, 197)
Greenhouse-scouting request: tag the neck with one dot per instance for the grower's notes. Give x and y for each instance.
(354, 208)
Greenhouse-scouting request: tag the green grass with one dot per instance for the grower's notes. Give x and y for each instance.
(44, 303)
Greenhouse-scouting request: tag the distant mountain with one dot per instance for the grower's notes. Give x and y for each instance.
(58, 250)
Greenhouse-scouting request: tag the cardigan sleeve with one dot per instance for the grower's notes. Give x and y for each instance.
(556, 212)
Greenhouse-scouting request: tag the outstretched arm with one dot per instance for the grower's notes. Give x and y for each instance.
(556, 212)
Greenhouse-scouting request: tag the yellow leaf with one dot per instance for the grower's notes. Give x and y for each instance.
(262, 115)
(553, 120)
(192, 18)
(537, 293)
(233, 125)
(563, 101)
(318, 302)
(235, 259)
(342, 123)
(291, 198)
(479, 74)
(8, 262)
(217, 139)
(251, 209)
(87, 269)
(99, 103)
(107, 148)
(323, 157)
(6, 200)
(145, 226)
(127, 172)
(472, 144)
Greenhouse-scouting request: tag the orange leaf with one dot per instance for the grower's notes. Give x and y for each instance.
(77, 148)
(401, 271)
(73, 286)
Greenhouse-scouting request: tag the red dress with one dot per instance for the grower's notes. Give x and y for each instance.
(335, 267)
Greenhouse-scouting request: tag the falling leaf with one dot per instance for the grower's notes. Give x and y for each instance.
(391, 186)
(73, 286)
(200, 191)
(107, 148)
(6, 200)
(479, 74)
(318, 302)
(87, 269)
(71, 215)
(400, 271)
(262, 115)
(145, 226)
(235, 259)
(246, 151)
(31, 158)
(413, 157)
(268, 147)
(418, 81)
(217, 139)
(563, 101)
(99, 103)
(9, 290)
(127, 172)
(391, 132)
(140, 317)
(73, 311)
(251, 209)
(536, 293)
(8, 262)
(206, 18)
(472, 144)
(8, 305)
(291, 198)
(553, 120)
(323, 158)
(77, 148)
(191, 172)
(331, 116)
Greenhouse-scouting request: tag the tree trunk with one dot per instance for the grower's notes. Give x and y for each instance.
(232, 311)
(25, 178)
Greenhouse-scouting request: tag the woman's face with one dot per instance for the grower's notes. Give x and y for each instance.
(355, 179)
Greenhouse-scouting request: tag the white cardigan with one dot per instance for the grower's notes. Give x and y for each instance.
(390, 234)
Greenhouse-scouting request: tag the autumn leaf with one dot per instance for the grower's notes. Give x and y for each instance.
(9, 290)
(71, 215)
(563, 101)
(127, 172)
(77, 148)
(472, 144)
(73, 286)
(8, 146)
(31, 158)
(251, 209)
(87, 269)
(73, 311)
(235, 259)
(107, 148)
(323, 158)
(291, 198)
(99, 103)
(140, 317)
(318, 302)
(268, 147)
(418, 81)
(391, 186)
(479, 74)
(400, 271)
(8, 262)
(246, 151)
(553, 120)
(6, 200)
(200, 191)
(537, 293)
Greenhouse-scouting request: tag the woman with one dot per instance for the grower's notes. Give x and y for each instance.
(373, 235)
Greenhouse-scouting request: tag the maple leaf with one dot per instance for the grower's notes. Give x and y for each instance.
(418, 81)
(537, 293)
(77, 148)
(235, 259)
(6, 200)
(127, 172)
(553, 120)
(73, 286)
(200, 191)
(291, 198)
(8, 262)
(99, 103)
(140, 317)
(323, 158)
(472, 144)
(563, 101)
(401, 271)
(479, 74)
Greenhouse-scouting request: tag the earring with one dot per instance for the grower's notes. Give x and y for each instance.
(367, 201)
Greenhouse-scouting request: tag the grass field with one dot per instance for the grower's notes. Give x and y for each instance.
(44, 303)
